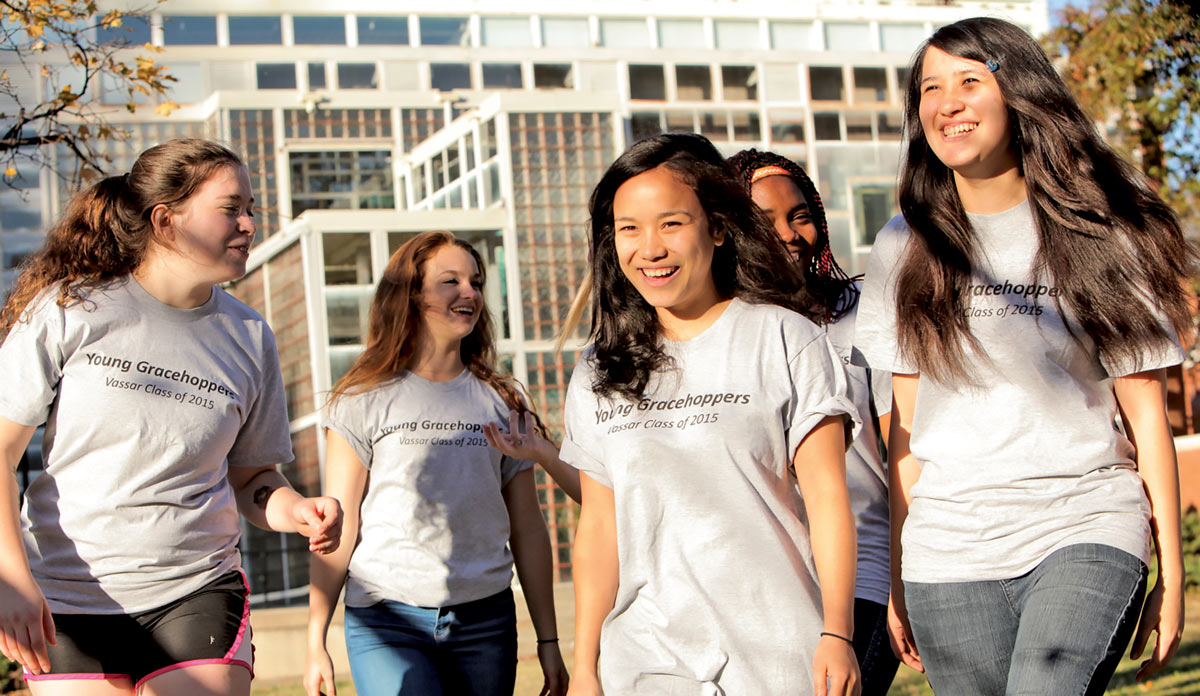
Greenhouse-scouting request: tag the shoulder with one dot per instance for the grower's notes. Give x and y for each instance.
(772, 324)
(892, 238)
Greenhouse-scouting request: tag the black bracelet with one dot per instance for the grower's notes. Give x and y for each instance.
(546, 640)
(834, 635)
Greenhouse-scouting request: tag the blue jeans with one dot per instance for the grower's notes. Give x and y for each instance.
(1059, 629)
(398, 649)
(876, 662)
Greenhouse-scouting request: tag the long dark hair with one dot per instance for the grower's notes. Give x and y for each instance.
(751, 264)
(1104, 235)
(394, 325)
(106, 229)
(834, 291)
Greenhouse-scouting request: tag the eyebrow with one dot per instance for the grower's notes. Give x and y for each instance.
(236, 197)
(665, 213)
(973, 71)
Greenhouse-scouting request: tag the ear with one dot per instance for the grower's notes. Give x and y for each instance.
(160, 220)
(718, 236)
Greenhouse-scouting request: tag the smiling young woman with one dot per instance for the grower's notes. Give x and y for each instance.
(1031, 291)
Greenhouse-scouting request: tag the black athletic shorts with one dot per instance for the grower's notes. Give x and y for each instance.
(209, 626)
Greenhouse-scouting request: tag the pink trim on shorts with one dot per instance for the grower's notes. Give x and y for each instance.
(80, 675)
(229, 658)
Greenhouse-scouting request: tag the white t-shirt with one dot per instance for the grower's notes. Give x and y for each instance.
(717, 589)
(866, 472)
(146, 406)
(435, 526)
(1028, 460)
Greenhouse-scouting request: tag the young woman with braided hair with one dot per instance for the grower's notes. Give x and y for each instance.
(783, 191)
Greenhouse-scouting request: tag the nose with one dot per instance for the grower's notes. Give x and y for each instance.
(652, 247)
(950, 104)
(246, 224)
(785, 231)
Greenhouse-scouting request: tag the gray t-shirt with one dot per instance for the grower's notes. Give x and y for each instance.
(146, 406)
(1027, 460)
(866, 472)
(717, 588)
(434, 524)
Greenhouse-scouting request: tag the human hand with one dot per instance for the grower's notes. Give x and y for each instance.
(528, 445)
(901, 638)
(25, 623)
(318, 671)
(319, 519)
(584, 684)
(835, 668)
(554, 671)
(1163, 614)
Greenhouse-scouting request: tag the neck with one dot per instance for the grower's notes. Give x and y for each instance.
(168, 284)
(991, 194)
(437, 361)
(684, 326)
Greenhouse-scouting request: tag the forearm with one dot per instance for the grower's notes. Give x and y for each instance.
(596, 573)
(903, 471)
(327, 575)
(533, 560)
(14, 439)
(266, 500)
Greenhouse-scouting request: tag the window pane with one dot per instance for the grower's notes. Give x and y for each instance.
(737, 34)
(276, 75)
(506, 32)
(681, 33)
(190, 30)
(319, 30)
(624, 33)
(826, 84)
(347, 258)
(874, 206)
(447, 76)
(740, 82)
(382, 31)
(847, 36)
(858, 125)
(647, 82)
(714, 125)
(552, 76)
(902, 76)
(357, 76)
(561, 32)
(787, 126)
(348, 316)
(791, 36)
(902, 38)
(745, 126)
(693, 82)
(134, 31)
(316, 76)
(502, 76)
(870, 84)
(681, 122)
(890, 125)
(255, 31)
(827, 127)
(644, 124)
(188, 87)
(445, 31)
(341, 180)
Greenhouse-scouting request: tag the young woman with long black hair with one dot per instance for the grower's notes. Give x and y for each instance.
(1029, 293)
(784, 192)
(709, 421)
(164, 411)
(432, 510)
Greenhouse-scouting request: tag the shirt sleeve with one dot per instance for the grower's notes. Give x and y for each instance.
(1166, 353)
(265, 437)
(819, 391)
(31, 363)
(580, 447)
(875, 330)
(344, 416)
(510, 467)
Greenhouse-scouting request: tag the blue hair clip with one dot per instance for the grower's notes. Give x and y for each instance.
(992, 64)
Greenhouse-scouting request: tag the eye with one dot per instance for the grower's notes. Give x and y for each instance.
(801, 217)
(627, 228)
(477, 284)
(928, 88)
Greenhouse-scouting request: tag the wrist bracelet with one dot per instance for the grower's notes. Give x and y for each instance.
(840, 637)
(546, 640)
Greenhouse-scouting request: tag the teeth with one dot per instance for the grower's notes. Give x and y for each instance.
(659, 272)
(958, 129)
(462, 310)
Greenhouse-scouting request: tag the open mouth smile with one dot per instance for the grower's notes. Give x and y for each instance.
(958, 129)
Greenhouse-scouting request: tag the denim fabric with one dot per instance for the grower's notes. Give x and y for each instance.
(876, 661)
(397, 649)
(1059, 629)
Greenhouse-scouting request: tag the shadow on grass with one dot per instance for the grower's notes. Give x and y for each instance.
(1181, 677)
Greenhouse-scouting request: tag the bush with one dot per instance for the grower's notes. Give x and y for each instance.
(10, 676)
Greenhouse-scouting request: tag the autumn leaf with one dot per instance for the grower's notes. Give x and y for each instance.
(165, 108)
(10, 173)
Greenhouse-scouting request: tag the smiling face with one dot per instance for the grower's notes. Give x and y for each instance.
(781, 199)
(212, 230)
(664, 244)
(451, 294)
(964, 116)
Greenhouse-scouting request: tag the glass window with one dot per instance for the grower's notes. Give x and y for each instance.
(787, 126)
(564, 32)
(745, 126)
(134, 30)
(624, 33)
(502, 76)
(643, 124)
(316, 76)
(114, 91)
(445, 31)
(870, 84)
(382, 31)
(847, 36)
(827, 84)
(693, 83)
(714, 125)
(681, 33)
(891, 125)
(357, 76)
(901, 38)
(276, 75)
(737, 34)
(327, 30)
(681, 122)
(874, 206)
(791, 36)
(740, 82)
(827, 126)
(348, 315)
(647, 82)
(858, 125)
(188, 87)
(190, 30)
(341, 180)
(261, 31)
(506, 32)
(447, 76)
(347, 258)
(902, 76)
(552, 76)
